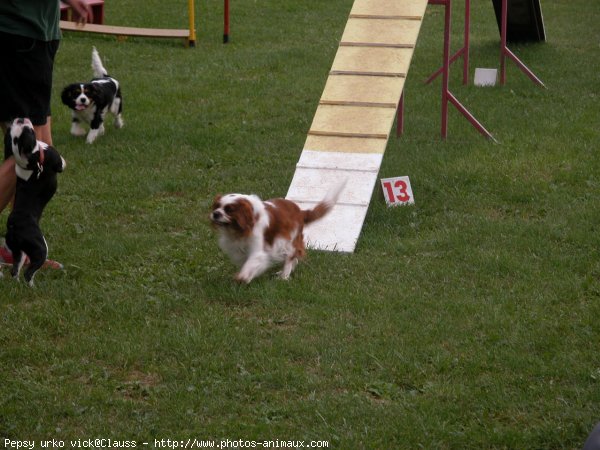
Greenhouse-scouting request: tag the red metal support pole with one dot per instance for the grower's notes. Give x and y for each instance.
(400, 116)
(226, 22)
(466, 42)
(447, 96)
(446, 67)
(503, 17)
(464, 51)
(505, 52)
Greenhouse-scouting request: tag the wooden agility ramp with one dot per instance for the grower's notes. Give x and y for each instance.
(186, 35)
(354, 118)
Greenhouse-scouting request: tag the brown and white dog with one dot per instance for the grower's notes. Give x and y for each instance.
(257, 234)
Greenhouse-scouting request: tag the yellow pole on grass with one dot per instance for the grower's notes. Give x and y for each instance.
(192, 37)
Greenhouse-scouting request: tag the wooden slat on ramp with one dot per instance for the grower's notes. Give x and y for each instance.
(355, 115)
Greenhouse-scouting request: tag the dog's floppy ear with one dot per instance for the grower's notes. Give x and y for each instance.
(66, 95)
(244, 216)
(96, 93)
(57, 163)
(216, 201)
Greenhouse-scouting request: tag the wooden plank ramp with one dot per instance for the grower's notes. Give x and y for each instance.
(352, 123)
(126, 31)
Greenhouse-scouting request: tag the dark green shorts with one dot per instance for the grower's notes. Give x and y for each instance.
(25, 77)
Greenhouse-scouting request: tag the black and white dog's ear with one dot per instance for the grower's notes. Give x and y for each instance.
(7, 144)
(27, 141)
(98, 94)
(69, 94)
(64, 95)
(56, 161)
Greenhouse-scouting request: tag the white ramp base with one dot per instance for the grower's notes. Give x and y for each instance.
(338, 232)
(316, 173)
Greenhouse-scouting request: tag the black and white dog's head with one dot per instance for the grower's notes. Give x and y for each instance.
(91, 100)
(29, 153)
(81, 96)
(20, 142)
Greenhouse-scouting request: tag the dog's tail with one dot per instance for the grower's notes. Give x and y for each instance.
(97, 67)
(325, 205)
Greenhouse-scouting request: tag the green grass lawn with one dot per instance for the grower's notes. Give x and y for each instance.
(469, 320)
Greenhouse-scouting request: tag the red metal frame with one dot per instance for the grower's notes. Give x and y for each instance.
(226, 22)
(505, 52)
(464, 50)
(400, 116)
(447, 96)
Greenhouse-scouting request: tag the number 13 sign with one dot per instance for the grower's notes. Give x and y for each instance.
(397, 191)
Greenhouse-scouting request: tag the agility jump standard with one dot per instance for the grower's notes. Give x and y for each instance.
(505, 52)
(462, 52)
(188, 35)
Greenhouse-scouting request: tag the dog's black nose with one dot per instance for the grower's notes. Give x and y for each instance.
(216, 215)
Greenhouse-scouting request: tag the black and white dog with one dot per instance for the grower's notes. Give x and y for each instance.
(91, 101)
(36, 164)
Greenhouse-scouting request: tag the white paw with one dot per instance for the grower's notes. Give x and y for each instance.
(77, 130)
(283, 275)
(91, 137)
(93, 134)
(240, 278)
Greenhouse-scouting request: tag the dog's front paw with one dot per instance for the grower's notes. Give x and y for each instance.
(119, 122)
(242, 279)
(77, 130)
(283, 275)
(93, 134)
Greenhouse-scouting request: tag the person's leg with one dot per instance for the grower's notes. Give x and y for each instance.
(44, 132)
(8, 181)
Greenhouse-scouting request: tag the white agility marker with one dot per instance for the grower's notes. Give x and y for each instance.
(397, 191)
(485, 77)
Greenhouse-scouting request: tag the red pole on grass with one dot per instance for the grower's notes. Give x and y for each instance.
(447, 96)
(446, 69)
(226, 22)
(505, 51)
(464, 51)
(400, 116)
